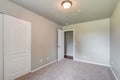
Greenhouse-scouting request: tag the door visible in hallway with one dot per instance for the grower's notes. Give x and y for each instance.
(60, 44)
(68, 36)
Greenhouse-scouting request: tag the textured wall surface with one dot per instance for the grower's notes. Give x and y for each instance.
(115, 41)
(92, 41)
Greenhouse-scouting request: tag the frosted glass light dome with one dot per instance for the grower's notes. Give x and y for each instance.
(66, 4)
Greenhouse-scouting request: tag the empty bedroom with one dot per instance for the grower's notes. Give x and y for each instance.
(59, 39)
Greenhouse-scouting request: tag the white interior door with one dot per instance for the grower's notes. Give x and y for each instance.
(1, 48)
(60, 44)
(17, 47)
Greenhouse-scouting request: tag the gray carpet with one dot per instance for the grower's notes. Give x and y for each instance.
(71, 70)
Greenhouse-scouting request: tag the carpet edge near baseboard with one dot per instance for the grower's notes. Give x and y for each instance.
(43, 66)
(75, 60)
(99, 64)
(113, 73)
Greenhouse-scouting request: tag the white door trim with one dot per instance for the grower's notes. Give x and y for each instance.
(73, 40)
(60, 44)
(1, 46)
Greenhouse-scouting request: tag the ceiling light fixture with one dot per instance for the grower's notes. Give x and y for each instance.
(66, 4)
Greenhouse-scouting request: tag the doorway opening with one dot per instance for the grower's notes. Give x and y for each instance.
(69, 44)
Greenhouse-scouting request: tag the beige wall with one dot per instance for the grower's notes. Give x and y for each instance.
(92, 41)
(44, 33)
(115, 41)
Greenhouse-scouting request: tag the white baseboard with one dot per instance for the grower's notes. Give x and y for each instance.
(80, 61)
(68, 55)
(43, 66)
(114, 73)
(92, 63)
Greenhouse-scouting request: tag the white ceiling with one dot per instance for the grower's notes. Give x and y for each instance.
(81, 11)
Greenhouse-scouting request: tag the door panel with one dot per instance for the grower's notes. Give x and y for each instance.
(17, 49)
(60, 44)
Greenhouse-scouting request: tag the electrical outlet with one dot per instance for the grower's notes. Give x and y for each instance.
(48, 58)
(41, 60)
(112, 62)
(84, 57)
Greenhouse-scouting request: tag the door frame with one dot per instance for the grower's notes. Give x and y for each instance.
(73, 41)
(1, 47)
